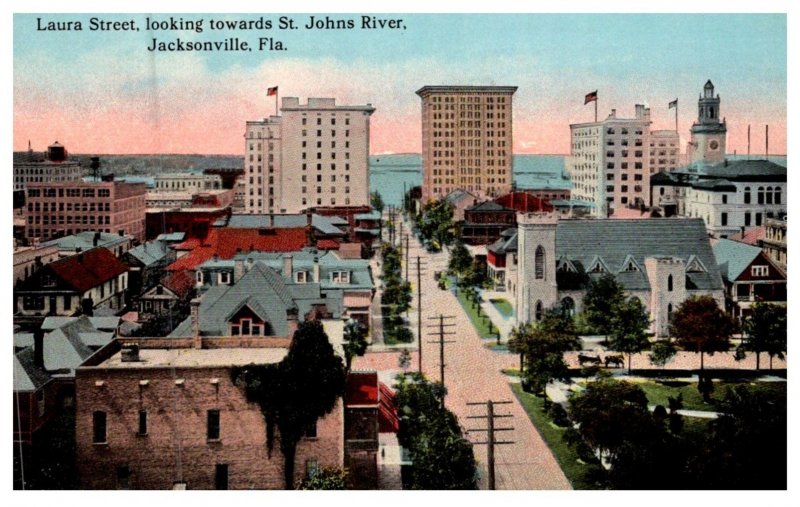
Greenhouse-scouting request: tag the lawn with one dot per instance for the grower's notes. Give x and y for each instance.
(479, 322)
(658, 392)
(503, 306)
(567, 458)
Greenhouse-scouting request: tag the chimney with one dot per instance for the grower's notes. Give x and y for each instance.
(308, 219)
(271, 220)
(287, 266)
(195, 316)
(613, 113)
(238, 269)
(130, 352)
(96, 239)
(38, 348)
(316, 269)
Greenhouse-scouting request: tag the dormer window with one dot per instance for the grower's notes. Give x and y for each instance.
(759, 271)
(695, 266)
(564, 265)
(301, 277)
(630, 265)
(199, 277)
(224, 278)
(340, 277)
(597, 266)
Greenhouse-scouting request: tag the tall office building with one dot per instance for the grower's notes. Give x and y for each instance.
(609, 162)
(466, 140)
(314, 154)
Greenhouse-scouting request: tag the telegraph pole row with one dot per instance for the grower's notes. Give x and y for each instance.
(491, 441)
(420, 267)
(406, 257)
(441, 343)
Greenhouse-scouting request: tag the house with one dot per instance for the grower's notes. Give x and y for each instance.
(484, 222)
(74, 285)
(774, 241)
(163, 299)
(28, 259)
(501, 261)
(166, 414)
(460, 200)
(750, 276)
(147, 264)
(660, 261)
(346, 285)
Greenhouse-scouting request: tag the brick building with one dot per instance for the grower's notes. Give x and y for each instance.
(54, 166)
(165, 414)
(63, 208)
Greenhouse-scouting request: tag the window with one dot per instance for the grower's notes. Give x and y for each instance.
(312, 467)
(99, 427)
(142, 423)
(311, 430)
(760, 195)
(759, 271)
(724, 219)
(301, 277)
(221, 476)
(33, 302)
(724, 199)
(40, 402)
(212, 429)
(669, 283)
(539, 311)
(747, 195)
(538, 263)
(340, 277)
(123, 477)
(224, 277)
(747, 219)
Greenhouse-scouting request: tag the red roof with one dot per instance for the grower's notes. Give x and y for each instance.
(327, 244)
(388, 422)
(189, 244)
(225, 242)
(362, 388)
(524, 202)
(179, 282)
(88, 269)
(751, 236)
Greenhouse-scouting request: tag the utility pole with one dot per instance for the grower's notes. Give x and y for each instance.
(490, 430)
(406, 257)
(419, 312)
(441, 343)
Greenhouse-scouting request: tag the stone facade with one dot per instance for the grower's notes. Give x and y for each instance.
(467, 139)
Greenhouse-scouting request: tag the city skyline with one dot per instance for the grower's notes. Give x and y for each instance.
(112, 95)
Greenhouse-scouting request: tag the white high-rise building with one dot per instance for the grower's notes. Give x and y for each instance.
(314, 154)
(610, 160)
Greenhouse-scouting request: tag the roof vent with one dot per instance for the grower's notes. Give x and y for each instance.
(130, 352)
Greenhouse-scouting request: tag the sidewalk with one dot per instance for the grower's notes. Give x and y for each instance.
(504, 324)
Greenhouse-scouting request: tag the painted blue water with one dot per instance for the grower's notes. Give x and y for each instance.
(388, 173)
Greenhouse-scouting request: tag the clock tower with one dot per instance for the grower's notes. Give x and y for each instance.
(708, 133)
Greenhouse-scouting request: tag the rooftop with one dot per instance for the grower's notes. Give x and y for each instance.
(198, 358)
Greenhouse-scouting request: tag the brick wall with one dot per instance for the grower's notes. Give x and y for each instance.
(178, 415)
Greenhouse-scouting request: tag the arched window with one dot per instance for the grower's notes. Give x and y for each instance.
(568, 306)
(669, 283)
(711, 112)
(747, 195)
(538, 263)
(769, 195)
(539, 311)
(669, 312)
(777, 195)
(760, 195)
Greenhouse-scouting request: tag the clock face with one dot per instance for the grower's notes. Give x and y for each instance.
(713, 145)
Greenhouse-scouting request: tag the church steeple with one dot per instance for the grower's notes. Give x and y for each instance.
(708, 132)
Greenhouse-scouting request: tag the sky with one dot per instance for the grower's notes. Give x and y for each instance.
(105, 93)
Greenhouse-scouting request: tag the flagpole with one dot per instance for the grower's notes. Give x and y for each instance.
(676, 116)
(595, 108)
(276, 100)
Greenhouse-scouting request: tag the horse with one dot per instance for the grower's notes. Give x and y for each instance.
(617, 361)
(589, 359)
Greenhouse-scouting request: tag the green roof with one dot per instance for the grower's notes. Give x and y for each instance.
(733, 257)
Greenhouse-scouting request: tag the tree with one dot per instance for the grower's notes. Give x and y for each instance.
(325, 478)
(662, 352)
(602, 298)
(629, 323)
(543, 345)
(441, 457)
(376, 201)
(437, 222)
(460, 259)
(296, 392)
(404, 360)
(699, 325)
(765, 331)
(517, 341)
(355, 337)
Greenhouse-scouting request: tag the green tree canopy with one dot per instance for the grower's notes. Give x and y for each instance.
(296, 392)
(460, 259)
(629, 323)
(765, 331)
(700, 325)
(437, 222)
(376, 201)
(325, 478)
(602, 298)
(355, 337)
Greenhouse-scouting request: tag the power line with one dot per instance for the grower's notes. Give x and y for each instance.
(441, 343)
(490, 430)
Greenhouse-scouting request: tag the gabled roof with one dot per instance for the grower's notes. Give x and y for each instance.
(102, 323)
(613, 240)
(733, 257)
(27, 376)
(751, 235)
(68, 346)
(322, 224)
(149, 253)
(506, 243)
(458, 195)
(86, 270)
(85, 240)
(747, 170)
(180, 283)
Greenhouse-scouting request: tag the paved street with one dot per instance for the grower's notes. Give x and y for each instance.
(473, 374)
